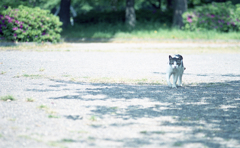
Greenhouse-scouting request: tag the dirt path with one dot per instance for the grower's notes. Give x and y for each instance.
(54, 107)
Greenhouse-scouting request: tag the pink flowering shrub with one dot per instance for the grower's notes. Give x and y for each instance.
(222, 17)
(26, 24)
(190, 21)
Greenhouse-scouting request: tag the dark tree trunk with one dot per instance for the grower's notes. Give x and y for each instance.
(130, 17)
(180, 6)
(169, 4)
(65, 12)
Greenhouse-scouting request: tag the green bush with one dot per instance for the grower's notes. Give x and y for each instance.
(190, 20)
(222, 17)
(236, 16)
(26, 24)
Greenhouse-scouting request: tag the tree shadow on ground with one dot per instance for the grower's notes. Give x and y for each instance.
(211, 109)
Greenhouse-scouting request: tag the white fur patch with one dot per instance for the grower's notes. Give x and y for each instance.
(175, 69)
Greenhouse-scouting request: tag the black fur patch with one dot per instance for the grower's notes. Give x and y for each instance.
(176, 58)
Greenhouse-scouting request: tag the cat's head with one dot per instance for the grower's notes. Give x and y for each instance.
(175, 61)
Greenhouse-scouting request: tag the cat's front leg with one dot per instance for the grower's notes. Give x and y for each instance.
(180, 80)
(168, 75)
(175, 77)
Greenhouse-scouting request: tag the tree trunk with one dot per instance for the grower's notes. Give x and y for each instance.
(169, 4)
(180, 6)
(65, 12)
(130, 17)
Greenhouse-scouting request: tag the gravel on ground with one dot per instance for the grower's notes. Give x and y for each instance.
(55, 107)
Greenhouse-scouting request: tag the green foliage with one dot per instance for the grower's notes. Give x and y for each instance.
(190, 20)
(237, 16)
(97, 17)
(45, 4)
(27, 24)
(7, 98)
(115, 17)
(13, 3)
(222, 17)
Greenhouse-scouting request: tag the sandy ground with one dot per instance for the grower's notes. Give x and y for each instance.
(68, 111)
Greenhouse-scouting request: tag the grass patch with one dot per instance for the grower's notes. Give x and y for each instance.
(56, 144)
(177, 144)
(114, 108)
(82, 132)
(30, 100)
(152, 132)
(141, 81)
(51, 113)
(189, 50)
(91, 138)
(34, 47)
(66, 75)
(73, 79)
(67, 140)
(93, 118)
(7, 98)
(158, 132)
(43, 107)
(12, 119)
(143, 132)
(148, 30)
(3, 72)
(25, 136)
(41, 69)
(32, 76)
(185, 119)
(53, 116)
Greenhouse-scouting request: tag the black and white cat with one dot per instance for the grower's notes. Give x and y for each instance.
(175, 69)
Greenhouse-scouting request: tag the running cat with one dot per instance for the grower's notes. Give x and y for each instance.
(176, 69)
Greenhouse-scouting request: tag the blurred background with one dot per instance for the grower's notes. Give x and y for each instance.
(155, 19)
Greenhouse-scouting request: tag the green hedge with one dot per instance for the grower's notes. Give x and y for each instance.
(223, 17)
(26, 24)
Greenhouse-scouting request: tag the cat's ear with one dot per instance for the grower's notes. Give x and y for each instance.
(180, 57)
(170, 57)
